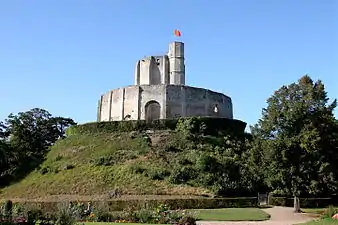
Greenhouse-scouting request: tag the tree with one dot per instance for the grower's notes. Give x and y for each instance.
(29, 136)
(298, 139)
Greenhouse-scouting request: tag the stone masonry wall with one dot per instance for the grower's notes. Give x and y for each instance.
(152, 93)
(185, 101)
(130, 102)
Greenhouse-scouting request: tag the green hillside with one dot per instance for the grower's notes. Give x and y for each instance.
(159, 162)
(97, 164)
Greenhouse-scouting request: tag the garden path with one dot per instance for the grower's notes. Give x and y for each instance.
(279, 216)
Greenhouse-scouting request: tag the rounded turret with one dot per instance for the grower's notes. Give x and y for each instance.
(176, 63)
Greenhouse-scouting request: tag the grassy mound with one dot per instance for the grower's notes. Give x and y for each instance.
(98, 164)
(192, 157)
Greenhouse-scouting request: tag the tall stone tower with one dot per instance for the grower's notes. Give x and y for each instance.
(176, 63)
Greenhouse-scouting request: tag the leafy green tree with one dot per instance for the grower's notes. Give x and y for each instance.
(29, 135)
(296, 140)
(6, 153)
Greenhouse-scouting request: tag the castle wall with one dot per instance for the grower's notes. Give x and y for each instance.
(105, 107)
(161, 68)
(166, 101)
(116, 112)
(119, 103)
(152, 70)
(151, 93)
(131, 102)
(185, 101)
(99, 105)
(137, 73)
(144, 73)
(155, 72)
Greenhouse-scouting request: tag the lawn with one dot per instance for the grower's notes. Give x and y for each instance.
(314, 210)
(319, 212)
(231, 214)
(228, 214)
(326, 221)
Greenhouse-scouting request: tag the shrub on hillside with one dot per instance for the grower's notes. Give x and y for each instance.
(114, 158)
(157, 173)
(215, 163)
(204, 125)
(181, 175)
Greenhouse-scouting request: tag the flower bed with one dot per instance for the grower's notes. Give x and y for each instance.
(69, 214)
(179, 203)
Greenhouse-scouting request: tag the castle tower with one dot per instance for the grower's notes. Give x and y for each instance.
(160, 92)
(176, 63)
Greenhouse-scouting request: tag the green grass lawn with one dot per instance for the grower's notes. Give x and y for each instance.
(320, 212)
(326, 221)
(228, 214)
(314, 210)
(231, 214)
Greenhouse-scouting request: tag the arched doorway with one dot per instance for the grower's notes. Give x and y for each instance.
(152, 111)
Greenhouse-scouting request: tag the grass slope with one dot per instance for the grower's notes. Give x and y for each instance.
(93, 165)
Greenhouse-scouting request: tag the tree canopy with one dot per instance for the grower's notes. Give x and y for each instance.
(25, 139)
(296, 140)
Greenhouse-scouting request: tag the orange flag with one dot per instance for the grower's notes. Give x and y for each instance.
(177, 33)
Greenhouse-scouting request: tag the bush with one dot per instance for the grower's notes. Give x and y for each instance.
(119, 126)
(68, 167)
(329, 212)
(101, 212)
(114, 159)
(145, 216)
(33, 215)
(205, 125)
(138, 169)
(160, 215)
(65, 214)
(180, 175)
(192, 203)
(304, 202)
(15, 214)
(188, 203)
(157, 173)
(7, 208)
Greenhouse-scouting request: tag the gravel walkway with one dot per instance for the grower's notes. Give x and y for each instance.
(279, 216)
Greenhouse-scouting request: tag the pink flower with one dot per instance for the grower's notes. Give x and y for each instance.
(21, 219)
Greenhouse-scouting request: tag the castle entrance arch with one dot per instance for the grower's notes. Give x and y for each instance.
(152, 111)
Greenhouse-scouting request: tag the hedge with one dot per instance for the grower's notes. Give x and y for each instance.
(304, 202)
(191, 203)
(213, 125)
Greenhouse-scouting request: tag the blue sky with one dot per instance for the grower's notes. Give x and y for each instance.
(61, 55)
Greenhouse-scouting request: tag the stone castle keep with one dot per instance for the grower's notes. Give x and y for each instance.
(160, 93)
